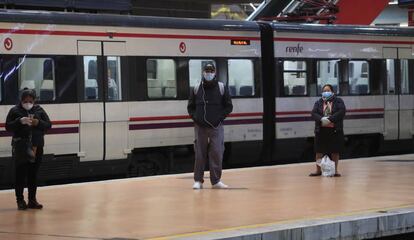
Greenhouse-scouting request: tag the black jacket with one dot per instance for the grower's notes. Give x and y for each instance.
(337, 117)
(217, 106)
(24, 131)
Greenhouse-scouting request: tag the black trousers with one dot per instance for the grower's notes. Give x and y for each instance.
(26, 172)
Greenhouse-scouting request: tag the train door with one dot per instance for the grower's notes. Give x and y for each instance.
(103, 133)
(406, 97)
(115, 110)
(398, 99)
(391, 105)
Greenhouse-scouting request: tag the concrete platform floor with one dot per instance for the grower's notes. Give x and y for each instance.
(167, 207)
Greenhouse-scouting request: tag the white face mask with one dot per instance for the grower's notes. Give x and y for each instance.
(209, 76)
(27, 106)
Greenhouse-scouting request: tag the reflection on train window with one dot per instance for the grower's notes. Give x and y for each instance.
(38, 74)
(358, 77)
(114, 78)
(328, 74)
(405, 82)
(294, 78)
(241, 77)
(161, 78)
(195, 68)
(390, 76)
(90, 69)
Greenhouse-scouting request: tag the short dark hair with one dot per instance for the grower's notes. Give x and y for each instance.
(328, 85)
(28, 93)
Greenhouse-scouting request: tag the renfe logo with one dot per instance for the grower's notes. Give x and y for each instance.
(8, 44)
(297, 49)
(182, 47)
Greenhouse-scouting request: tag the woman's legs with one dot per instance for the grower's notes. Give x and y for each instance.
(318, 157)
(32, 180)
(335, 158)
(318, 169)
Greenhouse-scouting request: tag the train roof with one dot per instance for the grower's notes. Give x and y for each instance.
(344, 29)
(70, 18)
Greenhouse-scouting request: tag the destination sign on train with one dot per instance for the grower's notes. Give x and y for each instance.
(240, 42)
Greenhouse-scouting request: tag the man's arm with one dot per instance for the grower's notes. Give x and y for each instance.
(228, 105)
(191, 104)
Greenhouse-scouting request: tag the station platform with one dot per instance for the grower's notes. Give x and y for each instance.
(373, 198)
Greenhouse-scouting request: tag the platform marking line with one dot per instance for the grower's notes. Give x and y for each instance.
(260, 225)
(50, 235)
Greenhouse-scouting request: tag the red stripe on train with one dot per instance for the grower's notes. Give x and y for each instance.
(59, 122)
(349, 111)
(65, 122)
(162, 118)
(127, 35)
(318, 40)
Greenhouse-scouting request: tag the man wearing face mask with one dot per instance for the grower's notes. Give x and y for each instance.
(208, 106)
(28, 122)
(328, 113)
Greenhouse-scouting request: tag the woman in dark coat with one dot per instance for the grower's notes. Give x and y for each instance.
(328, 113)
(28, 122)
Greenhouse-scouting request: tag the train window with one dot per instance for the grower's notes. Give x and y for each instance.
(358, 77)
(241, 77)
(294, 76)
(195, 68)
(161, 78)
(90, 68)
(328, 74)
(405, 84)
(38, 74)
(114, 78)
(390, 76)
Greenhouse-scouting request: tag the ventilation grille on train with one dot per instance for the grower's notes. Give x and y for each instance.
(55, 168)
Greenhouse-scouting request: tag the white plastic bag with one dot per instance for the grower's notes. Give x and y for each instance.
(327, 166)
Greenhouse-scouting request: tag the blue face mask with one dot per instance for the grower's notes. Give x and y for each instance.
(327, 95)
(209, 76)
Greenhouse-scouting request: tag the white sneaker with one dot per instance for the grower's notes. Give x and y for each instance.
(197, 185)
(220, 185)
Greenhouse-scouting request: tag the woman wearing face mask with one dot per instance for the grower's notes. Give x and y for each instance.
(28, 122)
(328, 113)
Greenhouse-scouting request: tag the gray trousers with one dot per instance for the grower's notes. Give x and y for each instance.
(208, 146)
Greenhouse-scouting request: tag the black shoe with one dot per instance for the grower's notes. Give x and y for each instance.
(33, 204)
(21, 205)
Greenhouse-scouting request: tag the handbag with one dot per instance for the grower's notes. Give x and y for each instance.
(23, 149)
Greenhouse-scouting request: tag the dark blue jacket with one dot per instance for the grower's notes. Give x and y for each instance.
(209, 105)
(337, 117)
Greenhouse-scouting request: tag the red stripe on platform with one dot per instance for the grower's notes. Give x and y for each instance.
(127, 35)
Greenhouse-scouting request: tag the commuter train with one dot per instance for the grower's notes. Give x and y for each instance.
(116, 88)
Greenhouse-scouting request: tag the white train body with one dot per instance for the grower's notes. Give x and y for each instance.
(108, 123)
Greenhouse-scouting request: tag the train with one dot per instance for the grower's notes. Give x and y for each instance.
(116, 89)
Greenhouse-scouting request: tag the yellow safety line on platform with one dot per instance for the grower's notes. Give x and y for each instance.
(281, 222)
